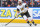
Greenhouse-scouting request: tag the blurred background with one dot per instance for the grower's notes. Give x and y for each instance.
(14, 3)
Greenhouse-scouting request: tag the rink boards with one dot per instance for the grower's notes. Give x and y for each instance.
(9, 13)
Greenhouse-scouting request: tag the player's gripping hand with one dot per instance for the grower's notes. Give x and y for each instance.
(22, 9)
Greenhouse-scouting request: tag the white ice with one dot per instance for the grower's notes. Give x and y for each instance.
(18, 25)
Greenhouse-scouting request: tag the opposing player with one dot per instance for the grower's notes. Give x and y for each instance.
(22, 9)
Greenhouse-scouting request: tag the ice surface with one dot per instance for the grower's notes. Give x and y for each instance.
(18, 25)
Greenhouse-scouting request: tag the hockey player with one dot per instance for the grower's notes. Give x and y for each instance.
(22, 9)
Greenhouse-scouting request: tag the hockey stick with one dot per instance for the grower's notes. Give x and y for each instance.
(9, 22)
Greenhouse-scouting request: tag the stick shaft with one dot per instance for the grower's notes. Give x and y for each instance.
(9, 22)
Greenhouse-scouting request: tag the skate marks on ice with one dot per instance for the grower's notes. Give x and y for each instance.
(18, 25)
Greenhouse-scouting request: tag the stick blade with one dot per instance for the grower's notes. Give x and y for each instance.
(3, 25)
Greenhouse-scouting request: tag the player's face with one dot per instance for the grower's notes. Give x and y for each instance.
(20, 2)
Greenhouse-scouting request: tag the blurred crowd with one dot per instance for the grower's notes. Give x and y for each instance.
(36, 3)
(14, 3)
(10, 3)
(28, 2)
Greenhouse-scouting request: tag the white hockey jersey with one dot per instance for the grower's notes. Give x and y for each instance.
(22, 8)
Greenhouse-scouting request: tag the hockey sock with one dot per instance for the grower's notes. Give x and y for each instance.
(28, 22)
(34, 23)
